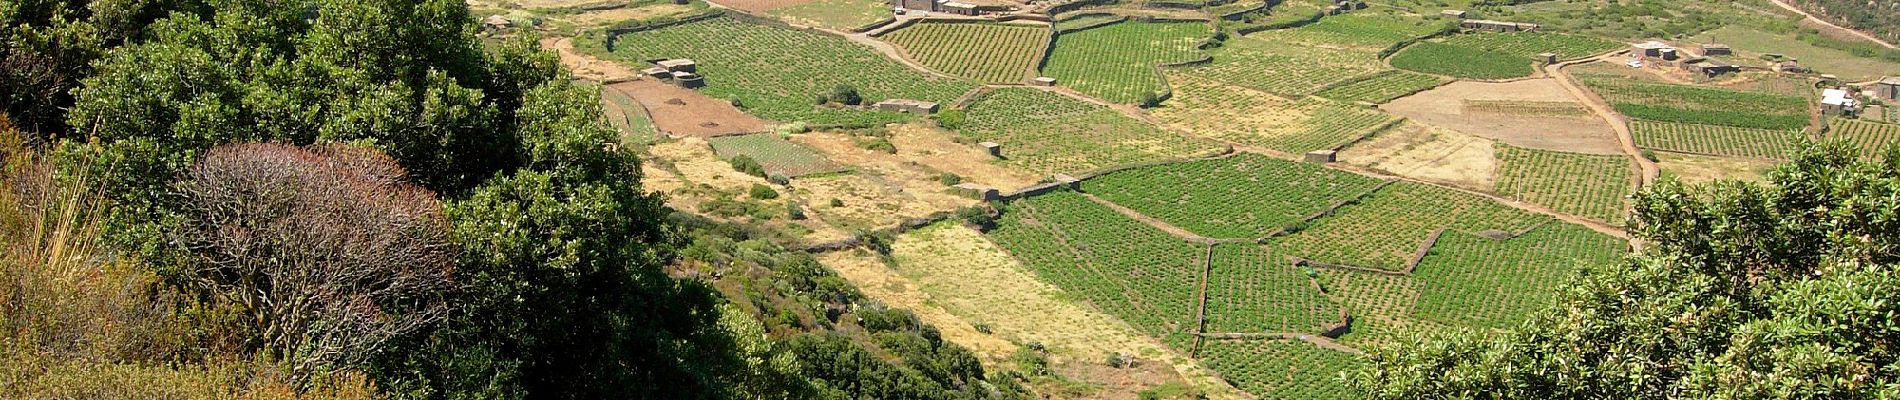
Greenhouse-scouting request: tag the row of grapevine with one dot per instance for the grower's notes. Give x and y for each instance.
(1872, 138)
(996, 53)
(1474, 281)
(778, 156)
(1210, 109)
(1249, 289)
(1117, 62)
(1586, 185)
(1382, 86)
(1284, 68)
(1244, 196)
(1283, 369)
(1715, 140)
(776, 73)
(1699, 105)
(1380, 304)
(1495, 55)
(1384, 229)
(1361, 31)
(1047, 132)
(1133, 271)
(1527, 108)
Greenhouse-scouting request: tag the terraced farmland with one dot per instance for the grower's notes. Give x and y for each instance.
(776, 155)
(1699, 105)
(1243, 196)
(1048, 132)
(1210, 109)
(1527, 108)
(1474, 281)
(1715, 140)
(1873, 138)
(1249, 289)
(1384, 229)
(1359, 31)
(1495, 55)
(627, 117)
(1381, 305)
(1591, 186)
(1298, 370)
(996, 53)
(1131, 270)
(1381, 86)
(1285, 68)
(1116, 62)
(775, 73)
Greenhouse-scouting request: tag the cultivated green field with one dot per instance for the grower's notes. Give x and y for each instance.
(1699, 105)
(1249, 289)
(1381, 87)
(995, 53)
(1586, 185)
(1048, 132)
(1117, 62)
(1207, 108)
(1495, 55)
(1131, 270)
(1297, 370)
(776, 155)
(1716, 140)
(776, 73)
(1384, 229)
(1872, 138)
(627, 117)
(1359, 31)
(1467, 280)
(1302, 61)
(1243, 196)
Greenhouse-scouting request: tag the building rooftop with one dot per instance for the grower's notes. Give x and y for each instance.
(1836, 97)
(1891, 80)
(675, 62)
(1652, 45)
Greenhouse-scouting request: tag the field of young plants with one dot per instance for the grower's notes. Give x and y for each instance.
(1495, 55)
(1210, 109)
(1715, 140)
(1143, 275)
(1381, 87)
(1243, 196)
(777, 73)
(1469, 280)
(1699, 105)
(1250, 289)
(1282, 369)
(1047, 132)
(1116, 62)
(1873, 138)
(627, 117)
(1381, 305)
(1383, 229)
(995, 53)
(1586, 185)
(778, 156)
(1527, 108)
(1359, 31)
(1284, 68)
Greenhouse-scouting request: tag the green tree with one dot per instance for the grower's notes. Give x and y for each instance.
(1744, 290)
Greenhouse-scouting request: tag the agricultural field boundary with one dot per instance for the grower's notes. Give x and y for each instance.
(1225, 152)
(1063, 237)
(1200, 312)
(1159, 224)
(1316, 340)
(1625, 139)
(1327, 211)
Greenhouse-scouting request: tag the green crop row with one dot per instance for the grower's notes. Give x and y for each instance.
(1285, 68)
(1384, 229)
(1382, 87)
(1133, 271)
(1048, 132)
(985, 52)
(1700, 105)
(1116, 62)
(1586, 185)
(1715, 140)
(1244, 196)
(1283, 369)
(1474, 281)
(1872, 138)
(1249, 289)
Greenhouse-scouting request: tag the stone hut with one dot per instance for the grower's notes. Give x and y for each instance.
(1710, 67)
(679, 65)
(995, 149)
(688, 80)
(1888, 88)
(1790, 67)
(1547, 58)
(657, 73)
(1043, 81)
(921, 5)
(907, 106)
(1322, 156)
(1716, 49)
(1453, 14)
(958, 8)
(1669, 54)
(1651, 48)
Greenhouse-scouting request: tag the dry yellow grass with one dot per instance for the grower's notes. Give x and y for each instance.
(1428, 153)
(1704, 169)
(922, 151)
(870, 202)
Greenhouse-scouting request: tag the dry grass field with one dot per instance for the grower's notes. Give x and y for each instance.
(1428, 153)
(1445, 107)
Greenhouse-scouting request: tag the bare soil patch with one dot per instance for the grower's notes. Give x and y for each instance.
(584, 66)
(1704, 169)
(923, 152)
(1428, 153)
(871, 202)
(1444, 107)
(604, 17)
(680, 111)
(757, 6)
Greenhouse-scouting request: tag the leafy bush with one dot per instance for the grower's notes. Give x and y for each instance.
(747, 165)
(762, 192)
(846, 94)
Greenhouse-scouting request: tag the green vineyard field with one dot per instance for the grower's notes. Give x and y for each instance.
(1249, 289)
(1209, 109)
(1357, 31)
(1586, 185)
(1495, 55)
(1527, 108)
(1872, 138)
(1382, 86)
(1244, 196)
(1468, 280)
(1116, 62)
(1715, 140)
(1699, 105)
(1297, 370)
(1384, 229)
(1130, 270)
(1050, 133)
(775, 73)
(778, 156)
(995, 53)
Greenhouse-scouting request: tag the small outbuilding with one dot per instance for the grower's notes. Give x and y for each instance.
(1888, 88)
(1547, 58)
(1837, 102)
(1710, 67)
(920, 5)
(1043, 81)
(1453, 14)
(979, 191)
(679, 65)
(1651, 48)
(657, 73)
(688, 80)
(1322, 156)
(995, 149)
(907, 106)
(1716, 49)
(957, 7)
(1790, 67)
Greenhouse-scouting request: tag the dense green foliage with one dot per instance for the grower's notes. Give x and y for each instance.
(1746, 290)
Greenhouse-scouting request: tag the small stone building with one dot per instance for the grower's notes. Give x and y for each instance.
(1790, 67)
(1716, 49)
(679, 65)
(1043, 81)
(657, 73)
(1888, 88)
(907, 106)
(1453, 14)
(1322, 156)
(1710, 67)
(995, 149)
(921, 5)
(979, 191)
(1547, 58)
(1651, 48)
(1837, 102)
(958, 8)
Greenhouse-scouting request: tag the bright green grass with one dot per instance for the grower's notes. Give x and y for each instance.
(776, 73)
(1586, 185)
(1244, 196)
(1051, 133)
(1116, 62)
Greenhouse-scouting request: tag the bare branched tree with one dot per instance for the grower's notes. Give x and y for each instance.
(325, 252)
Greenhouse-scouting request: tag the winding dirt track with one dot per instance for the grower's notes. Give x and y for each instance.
(1602, 110)
(1817, 20)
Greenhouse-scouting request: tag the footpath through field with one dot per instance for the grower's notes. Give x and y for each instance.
(1602, 109)
(1810, 17)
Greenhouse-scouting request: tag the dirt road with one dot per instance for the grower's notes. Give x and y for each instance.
(1602, 109)
(1817, 20)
